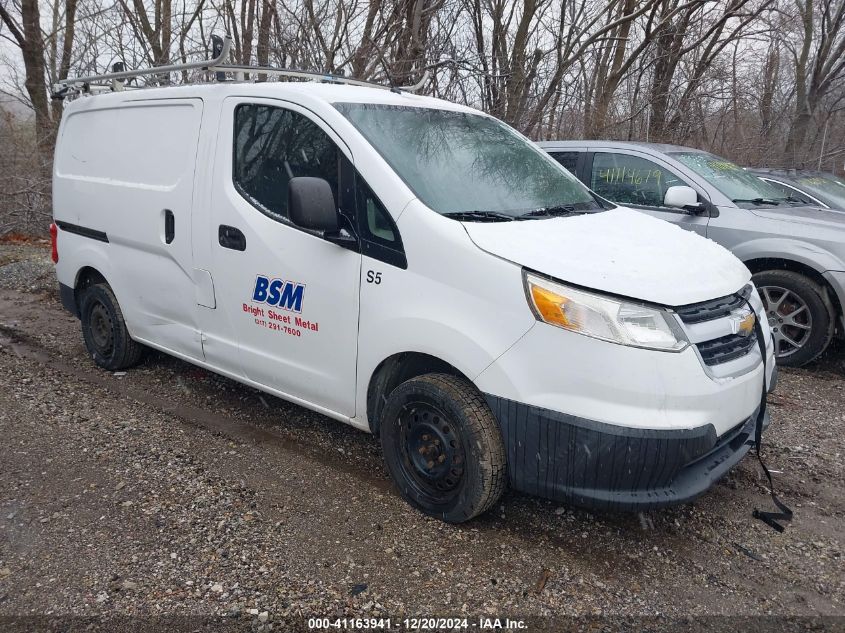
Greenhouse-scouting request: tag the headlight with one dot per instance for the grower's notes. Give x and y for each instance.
(602, 317)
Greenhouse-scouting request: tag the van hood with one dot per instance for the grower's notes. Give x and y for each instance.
(622, 252)
(812, 216)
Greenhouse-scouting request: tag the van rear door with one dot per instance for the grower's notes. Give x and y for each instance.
(286, 297)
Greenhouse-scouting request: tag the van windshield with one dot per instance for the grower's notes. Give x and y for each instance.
(742, 187)
(467, 165)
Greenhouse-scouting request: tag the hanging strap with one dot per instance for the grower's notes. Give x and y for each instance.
(769, 518)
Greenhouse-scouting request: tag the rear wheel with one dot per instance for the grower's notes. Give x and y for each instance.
(443, 447)
(802, 323)
(104, 329)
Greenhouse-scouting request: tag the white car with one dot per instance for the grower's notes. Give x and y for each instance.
(416, 269)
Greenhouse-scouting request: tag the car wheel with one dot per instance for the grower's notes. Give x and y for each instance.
(443, 447)
(802, 323)
(104, 329)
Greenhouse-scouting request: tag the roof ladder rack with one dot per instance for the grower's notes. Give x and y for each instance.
(221, 46)
(83, 83)
(315, 76)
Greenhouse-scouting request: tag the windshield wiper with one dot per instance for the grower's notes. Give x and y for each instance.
(757, 201)
(479, 216)
(791, 200)
(549, 212)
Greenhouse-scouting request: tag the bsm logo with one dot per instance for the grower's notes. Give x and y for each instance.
(276, 292)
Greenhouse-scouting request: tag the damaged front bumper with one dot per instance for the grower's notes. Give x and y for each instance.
(602, 466)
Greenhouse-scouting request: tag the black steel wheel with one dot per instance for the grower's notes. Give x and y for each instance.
(104, 329)
(443, 447)
(431, 451)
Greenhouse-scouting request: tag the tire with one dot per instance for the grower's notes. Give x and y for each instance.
(104, 329)
(443, 447)
(797, 314)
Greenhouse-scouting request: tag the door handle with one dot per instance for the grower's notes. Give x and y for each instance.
(230, 237)
(169, 226)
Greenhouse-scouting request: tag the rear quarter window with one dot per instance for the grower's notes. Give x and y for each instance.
(145, 145)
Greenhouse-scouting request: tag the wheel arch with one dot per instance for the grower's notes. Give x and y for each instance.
(85, 277)
(83, 262)
(396, 369)
(829, 296)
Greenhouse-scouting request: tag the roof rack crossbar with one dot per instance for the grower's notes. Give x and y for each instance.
(307, 74)
(216, 65)
(155, 70)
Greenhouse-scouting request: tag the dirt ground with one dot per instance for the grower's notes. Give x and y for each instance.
(170, 491)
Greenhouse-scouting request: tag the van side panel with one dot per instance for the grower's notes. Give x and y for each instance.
(142, 145)
(126, 169)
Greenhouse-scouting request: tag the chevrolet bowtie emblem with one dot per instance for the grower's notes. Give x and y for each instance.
(743, 324)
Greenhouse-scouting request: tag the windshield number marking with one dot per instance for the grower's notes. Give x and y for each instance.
(623, 175)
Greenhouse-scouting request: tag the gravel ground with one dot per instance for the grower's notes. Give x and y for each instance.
(170, 491)
(27, 267)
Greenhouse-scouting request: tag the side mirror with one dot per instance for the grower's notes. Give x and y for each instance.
(311, 204)
(681, 197)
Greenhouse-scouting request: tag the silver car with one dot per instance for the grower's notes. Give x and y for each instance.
(795, 251)
(813, 188)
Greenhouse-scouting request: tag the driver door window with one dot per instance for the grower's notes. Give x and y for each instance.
(273, 145)
(631, 180)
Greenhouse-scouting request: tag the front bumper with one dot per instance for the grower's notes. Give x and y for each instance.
(604, 466)
(557, 370)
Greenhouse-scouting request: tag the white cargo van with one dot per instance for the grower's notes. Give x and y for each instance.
(416, 269)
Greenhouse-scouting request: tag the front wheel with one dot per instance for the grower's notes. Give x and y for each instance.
(801, 322)
(443, 447)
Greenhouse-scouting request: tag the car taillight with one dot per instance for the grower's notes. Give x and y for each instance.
(54, 232)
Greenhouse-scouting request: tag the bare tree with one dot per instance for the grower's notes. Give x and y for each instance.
(27, 33)
(819, 66)
(744, 78)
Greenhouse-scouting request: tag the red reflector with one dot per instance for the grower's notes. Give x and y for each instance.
(54, 231)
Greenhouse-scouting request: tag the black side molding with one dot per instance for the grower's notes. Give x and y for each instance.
(84, 231)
